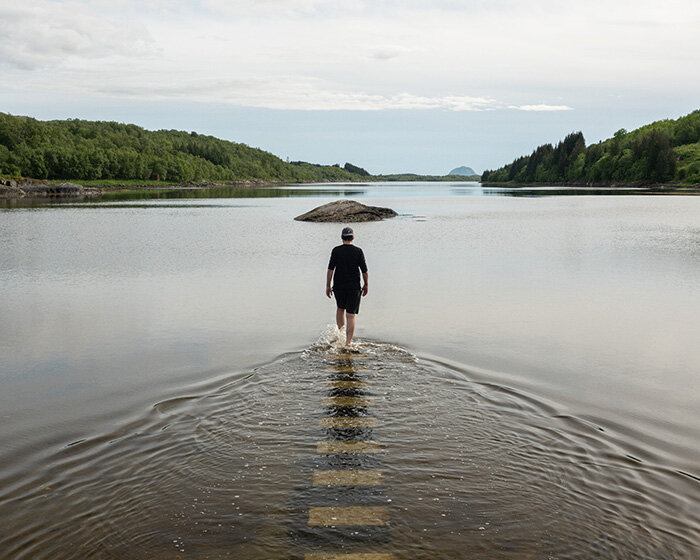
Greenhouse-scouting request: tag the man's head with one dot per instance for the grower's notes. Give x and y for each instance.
(348, 234)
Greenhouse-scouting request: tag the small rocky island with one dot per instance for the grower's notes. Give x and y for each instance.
(346, 211)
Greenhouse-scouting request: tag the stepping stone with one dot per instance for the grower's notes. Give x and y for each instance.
(347, 422)
(345, 369)
(331, 447)
(347, 401)
(355, 556)
(347, 516)
(348, 478)
(347, 384)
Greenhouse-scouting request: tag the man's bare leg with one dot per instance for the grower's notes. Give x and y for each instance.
(350, 330)
(340, 318)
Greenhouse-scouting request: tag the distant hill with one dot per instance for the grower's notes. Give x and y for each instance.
(665, 151)
(93, 150)
(105, 153)
(464, 170)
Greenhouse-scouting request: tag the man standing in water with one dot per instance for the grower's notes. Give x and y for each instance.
(347, 261)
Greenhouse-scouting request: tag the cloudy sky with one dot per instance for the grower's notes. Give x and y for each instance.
(391, 85)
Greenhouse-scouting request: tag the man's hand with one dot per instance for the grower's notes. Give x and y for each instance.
(329, 277)
(365, 289)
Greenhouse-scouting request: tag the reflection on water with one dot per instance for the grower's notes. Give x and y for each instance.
(391, 190)
(434, 463)
(347, 190)
(165, 194)
(553, 411)
(344, 506)
(528, 191)
(230, 192)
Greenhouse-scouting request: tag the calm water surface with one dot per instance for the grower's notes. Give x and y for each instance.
(525, 383)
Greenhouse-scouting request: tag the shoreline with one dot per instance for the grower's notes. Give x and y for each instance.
(26, 187)
(661, 187)
(34, 188)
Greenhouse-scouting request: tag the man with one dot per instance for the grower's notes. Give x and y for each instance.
(347, 261)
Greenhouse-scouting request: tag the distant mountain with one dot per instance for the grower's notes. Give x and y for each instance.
(464, 170)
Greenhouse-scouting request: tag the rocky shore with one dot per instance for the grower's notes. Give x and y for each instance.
(10, 188)
(36, 188)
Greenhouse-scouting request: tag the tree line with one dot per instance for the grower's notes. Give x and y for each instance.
(663, 151)
(93, 150)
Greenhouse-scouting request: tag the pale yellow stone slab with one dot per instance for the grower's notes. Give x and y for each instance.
(347, 384)
(345, 369)
(330, 447)
(356, 556)
(350, 357)
(348, 516)
(347, 401)
(348, 478)
(347, 422)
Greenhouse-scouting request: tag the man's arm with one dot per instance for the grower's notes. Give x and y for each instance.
(329, 276)
(365, 275)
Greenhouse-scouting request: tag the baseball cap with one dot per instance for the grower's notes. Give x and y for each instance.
(347, 232)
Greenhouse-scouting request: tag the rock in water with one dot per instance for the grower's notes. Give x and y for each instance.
(346, 211)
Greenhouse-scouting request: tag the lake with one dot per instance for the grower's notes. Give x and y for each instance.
(525, 381)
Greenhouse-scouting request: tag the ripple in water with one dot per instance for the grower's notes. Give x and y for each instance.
(457, 469)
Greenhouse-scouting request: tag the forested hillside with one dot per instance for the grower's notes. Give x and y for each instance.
(663, 151)
(89, 150)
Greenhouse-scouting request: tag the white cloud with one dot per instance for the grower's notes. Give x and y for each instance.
(352, 54)
(286, 93)
(368, 8)
(387, 52)
(280, 8)
(37, 34)
(542, 107)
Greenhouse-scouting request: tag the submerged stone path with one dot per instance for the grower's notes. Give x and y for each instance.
(347, 514)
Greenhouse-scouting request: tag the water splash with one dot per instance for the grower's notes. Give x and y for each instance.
(331, 344)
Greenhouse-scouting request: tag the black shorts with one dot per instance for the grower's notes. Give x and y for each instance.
(348, 298)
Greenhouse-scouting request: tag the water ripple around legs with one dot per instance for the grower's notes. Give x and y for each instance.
(474, 469)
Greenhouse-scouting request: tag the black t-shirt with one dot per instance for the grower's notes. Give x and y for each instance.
(347, 261)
